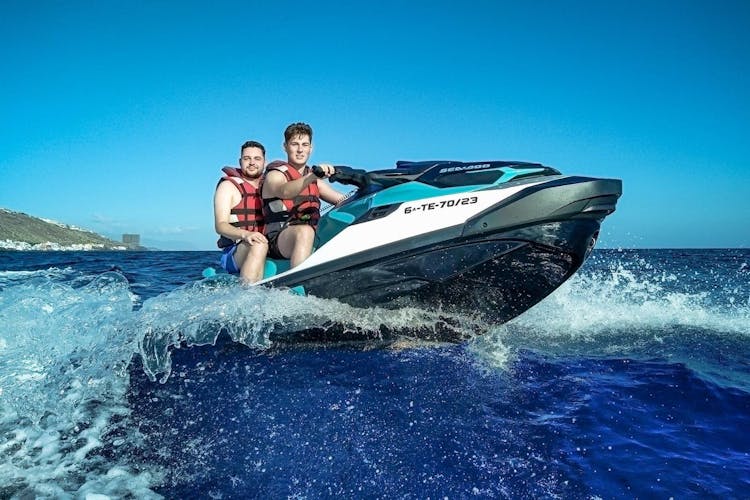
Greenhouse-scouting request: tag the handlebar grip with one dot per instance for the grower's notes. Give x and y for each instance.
(318, 171)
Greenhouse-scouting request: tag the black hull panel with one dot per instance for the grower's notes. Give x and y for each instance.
(494, 277)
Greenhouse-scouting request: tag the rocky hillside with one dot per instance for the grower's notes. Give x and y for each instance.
(25, 232)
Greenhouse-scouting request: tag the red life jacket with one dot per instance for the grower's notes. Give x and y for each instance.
(302, 209)
(249, 210)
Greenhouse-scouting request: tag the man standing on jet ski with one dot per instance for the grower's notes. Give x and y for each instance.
(291, 197)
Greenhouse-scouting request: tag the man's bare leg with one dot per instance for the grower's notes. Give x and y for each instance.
(251, 260)
(296, 242)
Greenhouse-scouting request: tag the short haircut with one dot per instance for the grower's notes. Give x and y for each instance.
(253, 144)
(296, 129)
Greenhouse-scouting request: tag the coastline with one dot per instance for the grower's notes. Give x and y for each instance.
(50, 246)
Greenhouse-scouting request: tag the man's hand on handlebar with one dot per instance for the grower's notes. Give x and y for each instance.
(323, 170)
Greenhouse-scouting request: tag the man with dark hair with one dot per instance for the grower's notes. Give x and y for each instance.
(291, 197)
(238, 215)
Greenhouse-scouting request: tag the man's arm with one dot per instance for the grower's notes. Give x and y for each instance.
(275, 185)
(329, 194)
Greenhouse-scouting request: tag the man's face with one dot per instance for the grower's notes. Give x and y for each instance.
(252, 162)
(298, 150)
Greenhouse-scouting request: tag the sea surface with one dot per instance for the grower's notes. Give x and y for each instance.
(129, 375)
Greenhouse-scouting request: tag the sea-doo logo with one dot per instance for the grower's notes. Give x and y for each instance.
(463, 168)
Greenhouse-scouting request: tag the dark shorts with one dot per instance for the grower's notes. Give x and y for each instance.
(273, 244)
(273, 247)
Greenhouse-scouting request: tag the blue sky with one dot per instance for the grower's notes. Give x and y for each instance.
(117, 116)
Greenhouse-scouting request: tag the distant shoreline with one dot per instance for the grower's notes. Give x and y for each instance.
(49, 246)
(23, 232)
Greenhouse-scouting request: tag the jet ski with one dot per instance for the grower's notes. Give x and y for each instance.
(487, 238)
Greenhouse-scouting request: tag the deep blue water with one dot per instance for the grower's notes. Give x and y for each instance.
(630, 381)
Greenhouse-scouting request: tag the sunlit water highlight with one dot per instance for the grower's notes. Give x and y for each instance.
(631, 380)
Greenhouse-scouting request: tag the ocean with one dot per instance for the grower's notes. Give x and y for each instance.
(128, 375)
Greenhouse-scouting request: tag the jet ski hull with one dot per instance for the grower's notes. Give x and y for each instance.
(496, 263)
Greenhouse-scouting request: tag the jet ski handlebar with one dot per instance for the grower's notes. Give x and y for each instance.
(346, 175)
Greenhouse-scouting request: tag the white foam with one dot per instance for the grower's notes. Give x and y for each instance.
(62, 359)
(621, 299)
(684, 317)
(196, 314)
